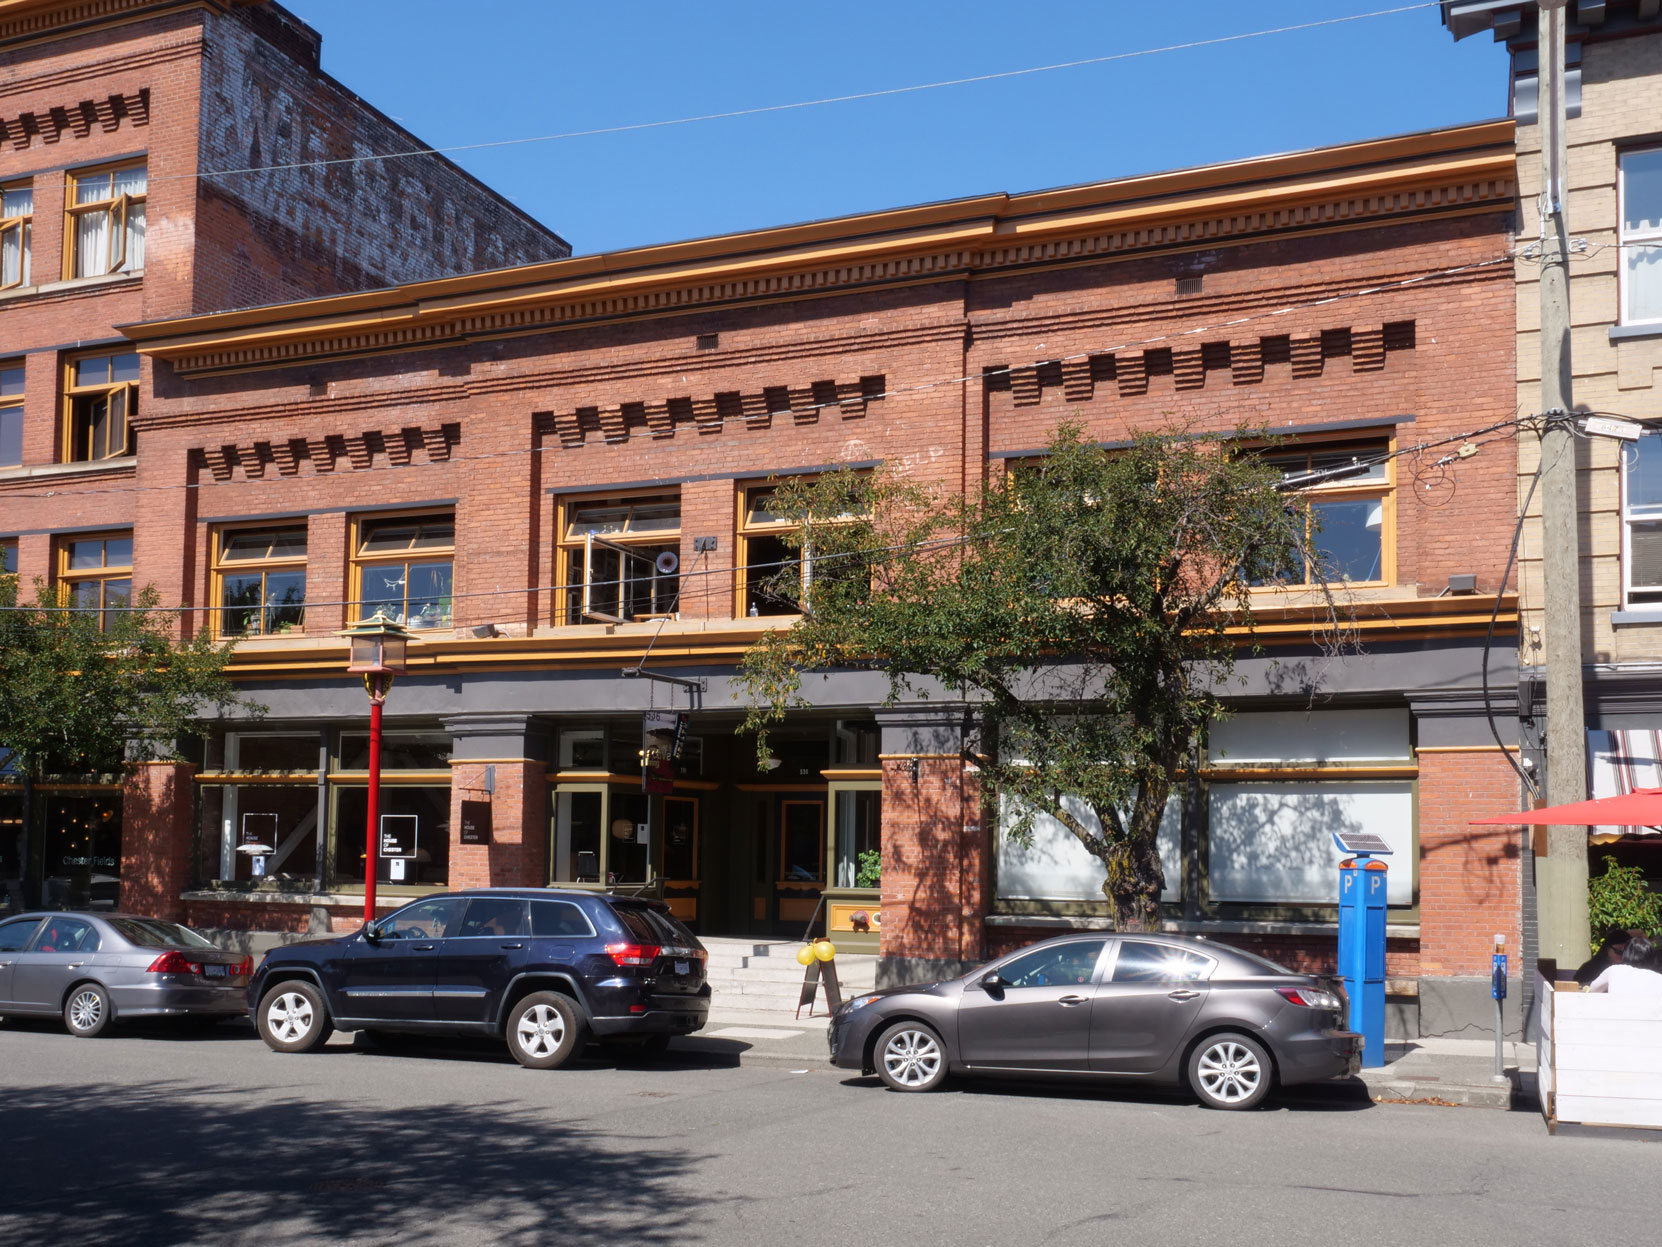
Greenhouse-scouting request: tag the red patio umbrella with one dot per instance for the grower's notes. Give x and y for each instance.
(1640, 808)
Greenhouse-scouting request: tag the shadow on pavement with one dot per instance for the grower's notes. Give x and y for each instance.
(173, 1162)
(1342, 1095)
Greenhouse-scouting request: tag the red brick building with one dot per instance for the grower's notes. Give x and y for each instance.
(125, 128)
(504, 459)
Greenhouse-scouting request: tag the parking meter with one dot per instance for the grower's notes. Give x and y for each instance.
(1362, 889)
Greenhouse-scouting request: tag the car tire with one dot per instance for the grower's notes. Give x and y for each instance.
(545, 1030)
(293, 1018)
(87, 1011)
(910, 1057)
(1231, 1072)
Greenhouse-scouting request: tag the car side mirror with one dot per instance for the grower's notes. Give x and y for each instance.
(372, 932)
(993, 983)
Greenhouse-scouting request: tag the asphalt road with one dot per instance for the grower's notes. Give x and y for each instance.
(163, 1137)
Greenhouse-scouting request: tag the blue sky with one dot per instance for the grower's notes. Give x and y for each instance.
(501, 69)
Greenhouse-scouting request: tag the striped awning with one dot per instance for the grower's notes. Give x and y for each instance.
(1619, 762)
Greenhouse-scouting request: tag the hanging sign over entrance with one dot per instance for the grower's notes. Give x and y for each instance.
(662, 735)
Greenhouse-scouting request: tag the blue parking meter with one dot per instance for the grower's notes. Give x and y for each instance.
(1362, 890)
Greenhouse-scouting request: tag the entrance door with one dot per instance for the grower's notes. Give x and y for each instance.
(800, 860)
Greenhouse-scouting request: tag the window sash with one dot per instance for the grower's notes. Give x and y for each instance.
(106, 233)
(15, 241)
(1641, 265)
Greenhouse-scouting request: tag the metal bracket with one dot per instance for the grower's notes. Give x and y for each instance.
(700, 684)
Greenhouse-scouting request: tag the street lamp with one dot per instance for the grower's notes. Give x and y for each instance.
(378, 653)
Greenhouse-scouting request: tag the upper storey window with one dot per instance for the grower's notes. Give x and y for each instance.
(1641, 194)
(106, 220)
(1642, 520)
(403, 569)
(100, 398)
(17, 216)
(1348, 486)
(11, 413)
(620, 557)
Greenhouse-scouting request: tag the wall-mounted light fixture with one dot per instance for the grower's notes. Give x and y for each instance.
(912, 766)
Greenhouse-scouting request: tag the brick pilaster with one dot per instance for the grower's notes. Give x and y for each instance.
(156, 838)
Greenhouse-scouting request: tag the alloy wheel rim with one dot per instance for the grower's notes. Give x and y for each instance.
(912, 1058)
(541, 1030)
(85, 1010)
(1229, 1072)
(290, 1016)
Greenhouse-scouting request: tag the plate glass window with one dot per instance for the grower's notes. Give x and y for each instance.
(1641, 194)
(100, 399)
(1642, 516)
(97, 574)
(11, 414)
(404, 569)
(613, 553)
(17, 216)
(106, 220)
(262, 581)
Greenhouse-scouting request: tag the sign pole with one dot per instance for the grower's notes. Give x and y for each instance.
(372, 803)
(1497, 989)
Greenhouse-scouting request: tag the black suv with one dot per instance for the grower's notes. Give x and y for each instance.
(542, 968)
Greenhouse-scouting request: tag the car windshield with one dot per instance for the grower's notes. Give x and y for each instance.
(1263, 963)
(653, 926)
(153, 933)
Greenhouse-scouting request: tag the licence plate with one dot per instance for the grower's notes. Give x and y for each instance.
(213, 971)
(683, 967)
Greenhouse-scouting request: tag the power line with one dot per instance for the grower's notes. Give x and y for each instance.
(763, 109)
(919, 387)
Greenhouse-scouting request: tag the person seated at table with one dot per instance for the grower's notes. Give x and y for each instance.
(1609, 954)
(1633, 975)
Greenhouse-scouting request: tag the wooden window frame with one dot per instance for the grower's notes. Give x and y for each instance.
(23, 224)
(125, 391)
(14, 402)
(1345, 490)
(571, 553)
(8, 554)
(219, 540)
(363, 524)
(118, 207)
(748, 532)
(69, 578)
(1643, 597)
(1644, 238)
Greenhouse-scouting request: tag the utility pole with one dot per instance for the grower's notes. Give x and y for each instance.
(1561, 875)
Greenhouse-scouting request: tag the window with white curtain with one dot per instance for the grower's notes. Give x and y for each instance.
(1642, 519)
(1056, 867)
(106, 211)
(1272, 843)
(17, 215)
(1640, 182)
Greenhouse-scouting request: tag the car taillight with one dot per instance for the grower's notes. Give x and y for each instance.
(243, 968)
(1309, 997)
(633, 954)
(174, 963)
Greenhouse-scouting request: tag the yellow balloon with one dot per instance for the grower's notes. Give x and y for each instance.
(805, 954)
(825, 950)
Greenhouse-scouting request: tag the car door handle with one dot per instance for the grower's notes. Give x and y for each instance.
(74, 965)
(1070, 1001)
(1182, 993)
(422, 948)
(513, 946)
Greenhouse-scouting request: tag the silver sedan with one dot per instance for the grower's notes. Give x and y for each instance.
(94, 969)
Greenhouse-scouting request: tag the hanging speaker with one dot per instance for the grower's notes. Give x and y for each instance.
(667, 562)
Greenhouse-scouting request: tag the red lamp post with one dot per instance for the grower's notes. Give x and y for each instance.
(378, 654)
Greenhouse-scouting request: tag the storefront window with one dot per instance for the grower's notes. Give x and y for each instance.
(577, 815)
(400, 751)
(858, 814)
(428, 805)
(278, 818)
(82, 849)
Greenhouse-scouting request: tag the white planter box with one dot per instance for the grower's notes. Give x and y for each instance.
(1599, 1058)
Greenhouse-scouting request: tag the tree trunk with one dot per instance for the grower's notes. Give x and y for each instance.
(25, 844)
(1135, 875)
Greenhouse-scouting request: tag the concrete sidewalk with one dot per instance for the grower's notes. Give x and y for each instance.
(1454, 1073)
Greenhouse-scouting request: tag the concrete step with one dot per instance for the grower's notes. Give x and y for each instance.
(866, 975)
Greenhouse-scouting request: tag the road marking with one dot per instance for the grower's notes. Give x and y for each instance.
(752, 1032)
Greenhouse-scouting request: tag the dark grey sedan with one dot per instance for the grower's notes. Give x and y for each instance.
(1145, 1008)
(94, 969)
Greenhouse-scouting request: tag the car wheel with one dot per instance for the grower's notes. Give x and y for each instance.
(1230, 1072)
(545, 1030)
(911, 1057)
(293, 1018)
(87, 1011)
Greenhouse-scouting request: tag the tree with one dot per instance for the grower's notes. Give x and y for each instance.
(1090, 606)
(89, 690)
